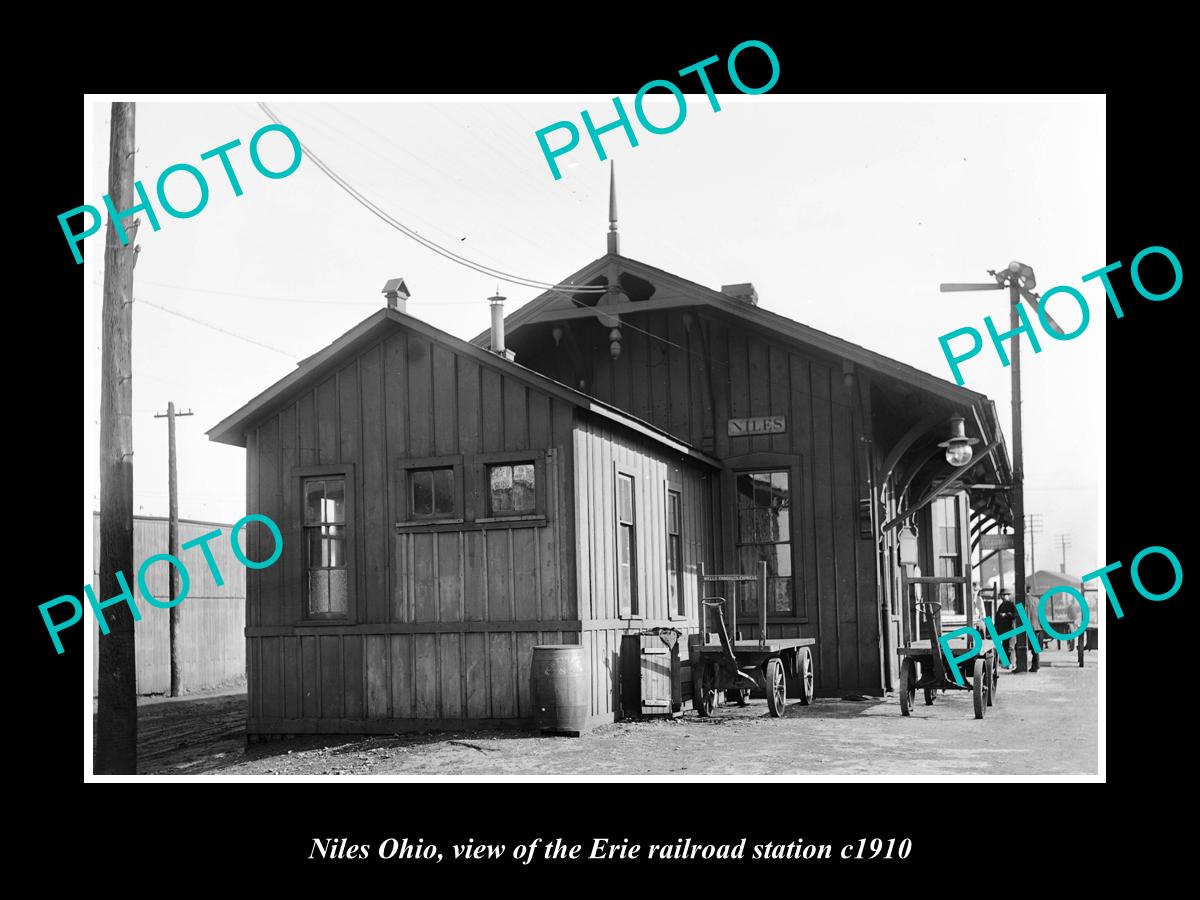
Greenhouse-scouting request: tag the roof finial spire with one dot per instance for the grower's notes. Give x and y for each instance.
(614, 239)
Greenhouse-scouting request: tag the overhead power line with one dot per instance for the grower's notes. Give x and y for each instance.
(376, 304)
(224, 331)
(196, 290)
(241, 296)
(387, 218)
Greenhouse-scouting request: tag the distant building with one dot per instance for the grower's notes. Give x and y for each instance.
(1063, 607)
(212, 618)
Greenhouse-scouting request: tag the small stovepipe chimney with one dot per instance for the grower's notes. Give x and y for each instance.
(498, 326)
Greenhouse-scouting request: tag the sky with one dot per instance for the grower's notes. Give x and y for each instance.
(845, 214)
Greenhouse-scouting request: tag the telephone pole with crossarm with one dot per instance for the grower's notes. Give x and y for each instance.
(173, 540)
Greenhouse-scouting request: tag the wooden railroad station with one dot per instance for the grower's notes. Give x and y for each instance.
(447, 505)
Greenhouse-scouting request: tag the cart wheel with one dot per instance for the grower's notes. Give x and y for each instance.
(708, 692)
(930, 696)
(989, 680)
(804, 666)
(740, 697)
(908, 685)
(776, 687)
(995, 680)
(979, 682)
(1079, 647)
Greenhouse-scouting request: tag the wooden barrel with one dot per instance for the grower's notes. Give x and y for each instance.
(558, 686)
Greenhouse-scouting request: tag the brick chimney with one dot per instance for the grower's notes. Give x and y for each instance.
(744, 292)
(397, 294)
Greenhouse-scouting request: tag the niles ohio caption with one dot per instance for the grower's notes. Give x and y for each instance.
(603, 848)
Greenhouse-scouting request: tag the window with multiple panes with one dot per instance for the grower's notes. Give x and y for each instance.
(512, 489)
(431, 493)
(764, 532)
(627, 597)
(676, 602)
(947, 552)
(327, 573)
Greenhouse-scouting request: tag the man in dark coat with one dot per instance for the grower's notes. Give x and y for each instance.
(1006, 614)
(1031, 606)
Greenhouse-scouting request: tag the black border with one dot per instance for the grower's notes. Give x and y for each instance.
(1001, 828)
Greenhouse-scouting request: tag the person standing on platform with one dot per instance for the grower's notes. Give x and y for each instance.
(1031, 612)
(1006, 614)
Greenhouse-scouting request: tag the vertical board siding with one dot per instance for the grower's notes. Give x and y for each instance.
(445, 393)
(420, 396)
(353, 674)
(401, 398)
(269, 503)
(714, 369)
(395, 414)
(845, 525)
(270, 656)
(287, 570)
(375, 542)
(502, 675)
(492, 437)
(310, 676)
(449, 654)
(378, 677)
(599, 451)
(516, 415)
(327, 421)
(828, 657)
(330, 663)
(476, 675)
(403, 679)
(425, 676)
(407, 397)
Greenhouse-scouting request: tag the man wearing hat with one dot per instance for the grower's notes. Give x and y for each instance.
(1006, 614)
(1031, 612)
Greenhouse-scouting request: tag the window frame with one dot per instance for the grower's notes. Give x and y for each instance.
(681, 610)
(301, 475)
(404, 469)
(794, 507)
(959, 504)
(633, 609)
(481, 463)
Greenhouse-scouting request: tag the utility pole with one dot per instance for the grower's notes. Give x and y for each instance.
(1033, 527)
(1018, 492)
(1064, 542)
(1020, 281)
(173, 540)
(115, 748)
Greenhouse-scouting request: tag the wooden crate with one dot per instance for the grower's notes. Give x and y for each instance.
(651, 683)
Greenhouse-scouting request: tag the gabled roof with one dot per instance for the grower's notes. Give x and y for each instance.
(1043, 579)
(677, 292)
(699, 295)
(315, 368)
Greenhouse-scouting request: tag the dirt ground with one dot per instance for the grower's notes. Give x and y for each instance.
(1043, 723)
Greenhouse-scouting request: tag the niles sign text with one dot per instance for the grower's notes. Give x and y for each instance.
(758, 425)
